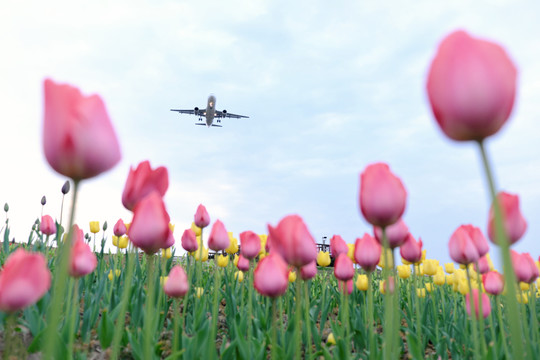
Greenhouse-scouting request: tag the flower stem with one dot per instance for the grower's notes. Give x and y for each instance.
(371, 333)
(418, 312)
(509, 274)
(73, 317)
(250, 306)
(501, 327)
(217, 286)
(150, 308)
(472, 307)
(297, 318)
(273, 346)
(389, 331)
(308, 322)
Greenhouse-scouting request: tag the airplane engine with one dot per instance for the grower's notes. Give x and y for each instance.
(224, 112)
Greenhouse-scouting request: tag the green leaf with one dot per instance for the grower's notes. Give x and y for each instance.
(105, 330)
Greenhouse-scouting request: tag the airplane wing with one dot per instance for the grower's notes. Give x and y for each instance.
(224, 114)
(201, 112)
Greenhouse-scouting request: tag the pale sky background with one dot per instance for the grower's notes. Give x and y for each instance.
(330, 87)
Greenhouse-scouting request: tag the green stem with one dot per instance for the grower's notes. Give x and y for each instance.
(480, 311)
(502, 330)
(273, 346)
(345, 316)
(59, 284)
(389, 303)
(73, 317)
(509, 274)
(308, 322)
(281, 324)
(371, 332)
(150, 309)
(435, 313)
(250, 307)
(323, 301)
(418, 312)
(297, 317)
(493, 343)
(217, 285)
(533, 315)
(473, 316)
(9, 337)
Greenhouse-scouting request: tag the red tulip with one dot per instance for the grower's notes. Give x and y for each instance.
(176, 284)
(243, 263)
(308, 271)
(396, 234)
(461, 246)
(486, 304)
(271, 277)
(78, 137)
(219, 238)
(349, 285)
(149, 229)
(120, 228)
(367, 252)
(142, 181)
(292, 240)
(411, 250)
(250, 244)
(201, 218)
(338, 246)
(493, 282)
(47, 225)
(343, 268)
(483, 265)
(82, 261)
(471, 87)
(24, 279)
(515, 224)
(382, 195)
(189, 240)
(524, 266)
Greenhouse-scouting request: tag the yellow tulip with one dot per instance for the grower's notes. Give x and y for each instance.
(166, 253)
(523, 298)
(429, 287)
(292, 276)
(404, 271)
(262, 256)
(163, 280)
(123, 242)
(463, 287)
(490, 263)
(382, 260)
(423, 256)
(524, 286)
(222, 260)
(405, 262)
(382, 288)
(323, 258)
(430, 266)
(350, 253)
(204, 255)
(421, 293)
(330, 339)
(233, 245)
(538, 283)
(199, 292)
(239, 275)
(362, 282)
(439, 278)
(117, 273)
(449, 268)
(463, 267)
(94, 227)
(264, 239)
(450, 279)
(171, 227)
(196, 229)
(420, 270)
(537, 265)
(127, 226)
(235, 260)
(115, 240)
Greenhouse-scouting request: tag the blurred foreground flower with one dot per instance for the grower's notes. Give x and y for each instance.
(201, 217)
(176, 284)
(486, 304)
(271, 276)
(82, 261)
(293, 241)
(142, 181)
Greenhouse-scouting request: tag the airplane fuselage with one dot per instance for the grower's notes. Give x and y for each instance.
(210, 110)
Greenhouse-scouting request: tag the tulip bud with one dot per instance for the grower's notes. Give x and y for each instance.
(362, 282)
(323, 258)
(94, 227)
(65, 187)
(308, 271)
(239, 275)
(201, 218)
(271, 276)
(486, 304)
(331, 339)
(177, 283)
(343, 268)
(514, 223)
(367, 252)
(6, 207)
(219, 238)
(222, 260)
(105, 226)
(404, 271)
(43, 200)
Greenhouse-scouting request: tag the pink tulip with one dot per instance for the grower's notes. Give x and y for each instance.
(411, 250)
(382, 195)
(493, 282)
(478, 239)
(219, 238)
(78, 137)
(486, 304)
(367, 252)
(47, 225)
(119, 228)
(483, 265)
(524, 266)
(271, 277)
(250, 244)
(515, 224)
(471, 87)
(293, 241)
(82, 261)
(24, 279)
(349, 286)
(308, 271)
(177, 283)
(243, 263)
(461, 246)
(189, 240)
(201, 218)
(343, 268)
(396, 234)
(142, 181)
(149, 229)
(338, 246)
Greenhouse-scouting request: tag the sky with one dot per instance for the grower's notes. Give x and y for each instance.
(329, 89)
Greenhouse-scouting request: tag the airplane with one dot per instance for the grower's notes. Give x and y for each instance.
(210, 113)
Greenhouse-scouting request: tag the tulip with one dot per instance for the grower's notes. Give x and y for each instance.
(493, 282)
(94, 227)
(189, 241)
(219, 238)
(478, 239)
(233, 245)
(343, 268)
(293, 241)
(78, 137)
(331, 339)
(264, 241)
(197, 230)
(461, 246)
(308, 271)
(524, 267)
(411, 250)
(348, 283)
(239, 275)
(24, 279)
(323, 258)
(404, 271)
(483, 265)
(450, 279)
(350, 252)
(177, 283)
(421, 293)
(242, 263)
(149, 229)
(82, 261)
(463, 287)
(471, 87)
(142, 181)
(439, 278)
(199, 291)
(486, 304)
(449, 268)
(117, 272)
(367, 252)
(47, 225)
(429, 287)
(123, 242)
(250, 244)
(201, 217)
(396, 234)
(201, 257)
(382, 195)
(271, 276)
(431, 266)
(384, 288)
(338, 246)
(524, 286)
(292, 276)
(514, 223)
(523, 298)
(382, 261)
(166, 253)
(362, 282)
(222, 260)
(119, 228)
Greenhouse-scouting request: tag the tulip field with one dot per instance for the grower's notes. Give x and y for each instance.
(135, 290)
